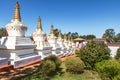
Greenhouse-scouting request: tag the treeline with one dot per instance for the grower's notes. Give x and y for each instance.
(74, 35)
(112, 35)
(109, 34)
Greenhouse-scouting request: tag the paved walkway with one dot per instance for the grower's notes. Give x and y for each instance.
(23, 71)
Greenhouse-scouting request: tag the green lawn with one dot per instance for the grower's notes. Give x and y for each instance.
(86, 75)
(69, 76)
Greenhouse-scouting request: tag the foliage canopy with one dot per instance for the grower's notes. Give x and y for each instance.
(47, 67)
(108, 68)
(74, 64)
(118, 55)
(94, 52)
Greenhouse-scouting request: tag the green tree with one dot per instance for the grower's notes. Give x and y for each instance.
(74, 64)
(117, 77)
(114, 39)
(118, 35)
(74, 35)
(117, 38)
(3, 32)
(88, 37)
(118, 55)
(109, 33)
(56, 31)
(94, 52)
(108, 68)
(68, 34)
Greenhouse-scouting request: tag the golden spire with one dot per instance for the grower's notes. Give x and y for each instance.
(65, 38)
(39, 26)
(17, 13)
(69, 37)
(52, 29)
(59, 34)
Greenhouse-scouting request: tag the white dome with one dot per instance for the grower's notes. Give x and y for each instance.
(39, 33)
(16, 28)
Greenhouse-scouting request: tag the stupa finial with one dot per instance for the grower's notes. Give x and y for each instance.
(52, 29)
(65, 38)
(59, 34)
(69, 37)
(39, 26)
(17, 16)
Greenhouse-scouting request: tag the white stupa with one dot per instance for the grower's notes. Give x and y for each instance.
(16, 47)
(43, 48)
(53, 42)
(71, 45)
(66, 43)
(60, 42)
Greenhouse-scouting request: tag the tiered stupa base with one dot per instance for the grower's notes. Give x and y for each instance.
(63, 49)
(3, 62)
(46, 51)
(63, 52)
(56, 51)
(18, 50)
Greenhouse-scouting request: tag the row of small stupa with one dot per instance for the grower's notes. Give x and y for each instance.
(57, 45)
(18, 50)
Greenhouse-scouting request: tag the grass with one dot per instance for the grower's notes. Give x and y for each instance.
(86, 75)
(69, 76)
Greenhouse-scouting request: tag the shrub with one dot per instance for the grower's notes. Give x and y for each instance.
(55, 59)
(94, 52)
(77, 51)
(117, 77)
(118, 55)
(108, 68)
(47, 67)
(74, 64)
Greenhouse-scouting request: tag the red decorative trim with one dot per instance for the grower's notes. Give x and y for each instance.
(117, 45)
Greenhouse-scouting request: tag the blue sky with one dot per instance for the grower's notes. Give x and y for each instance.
(82, 16)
